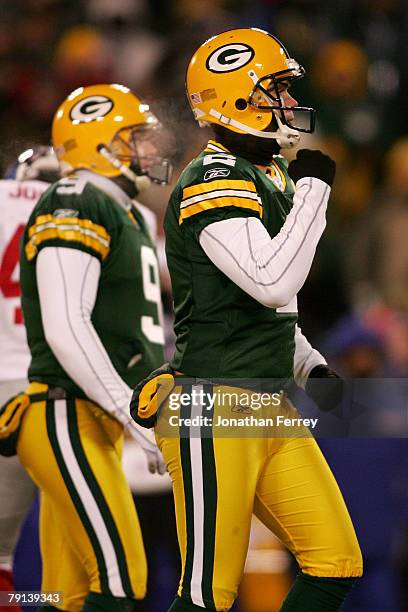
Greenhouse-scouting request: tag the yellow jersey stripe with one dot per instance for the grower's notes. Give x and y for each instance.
(222, 202)
(70, 234)
(74, 221)
(212, 146)
(219, 193)
(201, 188)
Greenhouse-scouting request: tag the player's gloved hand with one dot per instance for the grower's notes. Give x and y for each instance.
(325, 387)
(312, 163)
(149, 395)
(146, 439)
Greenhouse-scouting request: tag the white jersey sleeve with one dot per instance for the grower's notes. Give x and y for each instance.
(17, 199)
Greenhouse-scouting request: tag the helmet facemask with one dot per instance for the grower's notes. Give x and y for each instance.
(265, 96)
(138, 145)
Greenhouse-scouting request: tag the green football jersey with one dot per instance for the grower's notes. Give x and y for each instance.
(221, 331)
(78, 212)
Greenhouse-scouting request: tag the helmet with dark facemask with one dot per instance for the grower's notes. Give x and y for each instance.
(233, 80)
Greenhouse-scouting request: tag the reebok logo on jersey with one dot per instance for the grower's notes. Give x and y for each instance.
(216, 172)
(65, 212)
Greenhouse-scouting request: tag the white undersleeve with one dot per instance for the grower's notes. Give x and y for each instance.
(67, 282)
(271, 270)
(305, 359)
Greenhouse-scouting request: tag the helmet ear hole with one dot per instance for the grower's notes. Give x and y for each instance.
(241, 104)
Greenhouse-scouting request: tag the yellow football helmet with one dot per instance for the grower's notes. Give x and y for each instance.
(233, 80)
(107, 129)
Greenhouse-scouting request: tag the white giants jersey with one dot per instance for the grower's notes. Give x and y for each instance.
(17, 199)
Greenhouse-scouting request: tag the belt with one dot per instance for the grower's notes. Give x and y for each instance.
(52, 393)
(56, 393)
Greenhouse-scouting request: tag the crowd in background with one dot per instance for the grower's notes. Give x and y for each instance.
(355, 302)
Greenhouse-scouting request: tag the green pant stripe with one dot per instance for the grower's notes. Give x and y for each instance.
(98, 496)
(52, 436)
(185, 412)
(210, 504)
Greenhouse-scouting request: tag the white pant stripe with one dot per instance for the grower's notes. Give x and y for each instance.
(198, 503)
(89, 503)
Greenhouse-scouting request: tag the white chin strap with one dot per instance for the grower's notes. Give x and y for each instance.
(142, 182)
(285, 136)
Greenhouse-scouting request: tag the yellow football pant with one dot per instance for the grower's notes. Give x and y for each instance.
(89, 530)
(218, 482)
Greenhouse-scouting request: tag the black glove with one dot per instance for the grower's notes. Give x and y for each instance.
(312, 163)
(325, 387)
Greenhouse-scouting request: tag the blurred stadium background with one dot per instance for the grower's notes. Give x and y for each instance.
(355, 303)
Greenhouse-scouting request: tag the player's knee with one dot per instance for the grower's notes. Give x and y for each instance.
(224, 597)
(343, 561)
(349, 558)
(137, 570)
(222, 600)
(352, 567)
(138, 579)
